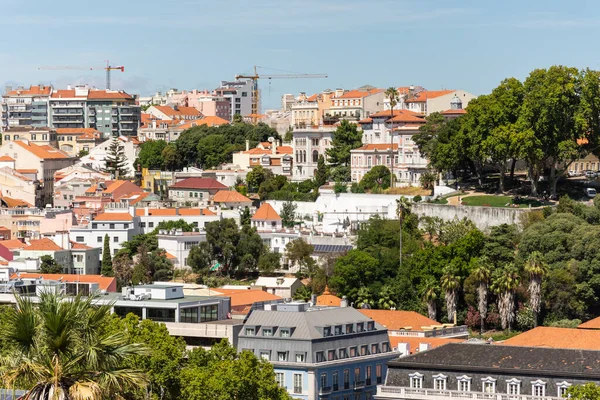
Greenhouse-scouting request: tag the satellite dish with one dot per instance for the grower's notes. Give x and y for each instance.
(271, 139)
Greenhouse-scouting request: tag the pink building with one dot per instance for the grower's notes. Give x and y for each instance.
(210, 104)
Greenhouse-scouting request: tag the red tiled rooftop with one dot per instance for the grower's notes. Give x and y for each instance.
(198, 183)
(266, 212)
(104, 282)
(230, 196)
(428, 94)
(558, 338)
(114, 216)
(43, 244)
(396, 320)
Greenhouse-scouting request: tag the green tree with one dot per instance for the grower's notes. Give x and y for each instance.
(170, 158)
(59, 346)
(288, 214)
(82, 153)
(150, 155)
(268, 262)
(537, 268)
(170, 225)
(123, 269)
(589, 391)
(321, 174)
(377, 177)
(107, 267)
(403, 210)
(48, 265)
(299, 253)
(352, 271)
(345, 138)
(200, 258)
(237, 119)
(364, 298)
(256, 176)
(428, 180)
(115, 161)
(245, 217)
(386, 298)
(392, 94)
(450, 284)
(482, 273)
(429, 292)
(504, 284)
(223, 374)
(303, 293)
(340, 187)
(289, 135)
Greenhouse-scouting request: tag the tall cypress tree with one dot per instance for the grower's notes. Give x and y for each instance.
(115, 161)
(107, 269)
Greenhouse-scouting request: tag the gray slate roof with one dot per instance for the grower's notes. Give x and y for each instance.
(306, 322)
(480, 357)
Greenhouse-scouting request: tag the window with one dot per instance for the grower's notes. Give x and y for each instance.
(360, 327)
(315, 156)
(111, 226)
(99, 239)
(363, 350)
(189, 315)
(238, 100)
(513, 387)
(371, 326)
(330, 355)
(346, 379)
(267, 332)
(265, 355)
(379, 373)
(284, 332)
(249, 331)
(209, 313)
(79, 239)
(282, 356)
(538, 388)
(343, 353)
(323, 380)
(356, 375)
(335, 380)
(353, 352)
(488, 385)
(439, 381)
(349, 328)
(374, 348)
(297, 383)
(244, 94)
(320, 357)
(385, 347)
(464, 383)
(368, 374)
(327, 331)
(116, 239)
(416, 380)
(300, 357)
(562, 388)
(279, 378)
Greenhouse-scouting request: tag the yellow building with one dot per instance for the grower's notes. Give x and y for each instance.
(75, 140)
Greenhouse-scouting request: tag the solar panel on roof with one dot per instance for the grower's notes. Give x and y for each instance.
(331, 248)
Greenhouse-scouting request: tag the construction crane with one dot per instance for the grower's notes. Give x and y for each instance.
(256, 77)
(108, 68)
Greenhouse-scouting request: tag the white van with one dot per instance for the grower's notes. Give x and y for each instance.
(590, 192)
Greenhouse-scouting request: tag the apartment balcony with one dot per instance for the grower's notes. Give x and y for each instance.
(68, 121)
(91, 111)
(39, 117)
(358, 385)
(394, 392)
(324, 390)
(39, 103)
(72, 111)
(126, 111)
(19, 108)
(67, 105)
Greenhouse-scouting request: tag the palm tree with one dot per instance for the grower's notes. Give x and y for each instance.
(364, 298)
(392, 95)
(402, 209)
(450, 285)
(505, 283)
(386, 301)
(429, 291)
(536, 267)
(60, 351)
(481, 273)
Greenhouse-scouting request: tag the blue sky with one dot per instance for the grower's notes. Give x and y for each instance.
(196, 43)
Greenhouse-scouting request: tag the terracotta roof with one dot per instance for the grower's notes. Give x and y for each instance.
(27, 171)
(114, 216)
(562, 338)
(104, 282)
(108, 95)
(6, 158)
(582, 141)
(415, 342)
(167, 212)
(266, 212)
(312, 98)
(591, 324)
(230, 196)
(396, 320)
(43, 151)
(428, 94)
(208, 120)
(76, 131)
(13, 244)
(66, 94)
(43, 244)
(247, 297)
(328, 299)
(379, 146)
(454, 112)
(355, 94)
(198, 183)
(403, 117)
(145, 117)
(91, 189)
(32, 91)
(170, 256)
(79, 246)
(181, 111)
(114, 185)
(12, 203)
(137, 197)
(388, 113)
(366, 121)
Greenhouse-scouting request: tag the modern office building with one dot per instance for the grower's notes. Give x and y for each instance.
(239, 93)
(335, 353)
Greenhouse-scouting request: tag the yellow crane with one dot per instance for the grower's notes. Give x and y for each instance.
(108, 70)
(256, 77)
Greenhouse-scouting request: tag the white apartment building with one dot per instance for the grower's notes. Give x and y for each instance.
(240, 94)
(178, 244)
(430, 101)
(387, 139)
(357, 104)
(308, 145)
(25, 107)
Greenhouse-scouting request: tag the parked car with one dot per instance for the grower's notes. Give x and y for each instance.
(572, 173)
(591, 174)
(590, 192)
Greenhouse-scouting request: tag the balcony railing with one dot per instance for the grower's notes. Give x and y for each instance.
(325, 390)
(393, 392)
(297, 389)
(336, 387)
(359, 385)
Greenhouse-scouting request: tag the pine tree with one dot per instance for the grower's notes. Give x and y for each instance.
(115, 161)
(107, 268)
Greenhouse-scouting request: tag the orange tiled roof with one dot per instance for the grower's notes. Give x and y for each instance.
(181, 111)
(247, 297)
(43, 244)
(558, 338)
(12, 203)
(582, 141)
(328, 299)
(113, 216)
(209, 120)
(454, 112)
(356, 94)
(591, 324)
(13, 244)
(266, 212)
(388, 113)
(27, 171)
(312, 98)
(198, 183)
(415, 342)
(366, 121)
(43, 151)
(137, 197)
(65, 94)
(407, 118)
(378, 146)
(396, 320)
(79, 246)
(109, 95)
(229, 196)
(6, 158)
(169, 212)
(104, 282)
(170, 256)
(76, 131)
(32, 91)
(428, 94)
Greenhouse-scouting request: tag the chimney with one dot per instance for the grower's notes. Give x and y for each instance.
(146, 211)
(344, 302)
(313, 299)
(247, 145)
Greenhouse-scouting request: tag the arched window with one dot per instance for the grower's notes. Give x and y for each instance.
(303, 156)
(538, 388)
(464, 383)
(416, 380)
(439, 381)
(315, 156)
(513, 387)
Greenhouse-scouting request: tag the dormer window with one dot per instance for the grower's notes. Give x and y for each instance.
(463, 383)
(267, 332)
(562, 388)
(538, 388)
(488, 384)
(349, 328)
(338, 330)
(513, 387)
(371, 326)
(284, 332)
(359, 327)
(416, 380)
(439, 381)
(327, 331)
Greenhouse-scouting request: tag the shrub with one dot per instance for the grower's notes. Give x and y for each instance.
(417, 199)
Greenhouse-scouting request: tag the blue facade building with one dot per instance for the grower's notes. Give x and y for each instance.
(333, 353)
